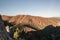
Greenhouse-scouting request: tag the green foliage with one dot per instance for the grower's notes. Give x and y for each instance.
(17, 29)
(16, 33)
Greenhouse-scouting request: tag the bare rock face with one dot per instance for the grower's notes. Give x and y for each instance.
(39, 22)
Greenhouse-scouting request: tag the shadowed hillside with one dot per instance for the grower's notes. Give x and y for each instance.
(48, 33)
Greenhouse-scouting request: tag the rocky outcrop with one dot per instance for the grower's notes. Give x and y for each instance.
(3, 33)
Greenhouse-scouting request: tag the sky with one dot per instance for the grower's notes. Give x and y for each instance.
(45, 8)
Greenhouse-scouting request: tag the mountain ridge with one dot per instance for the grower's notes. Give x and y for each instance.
(40, 22)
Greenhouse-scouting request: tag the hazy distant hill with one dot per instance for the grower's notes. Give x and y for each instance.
(39, 22)
(58, 18)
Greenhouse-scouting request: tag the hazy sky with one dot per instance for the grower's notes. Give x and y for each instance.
(44, 8)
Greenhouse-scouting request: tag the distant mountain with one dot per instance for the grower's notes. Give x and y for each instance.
(58, 18)
(39, 22)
